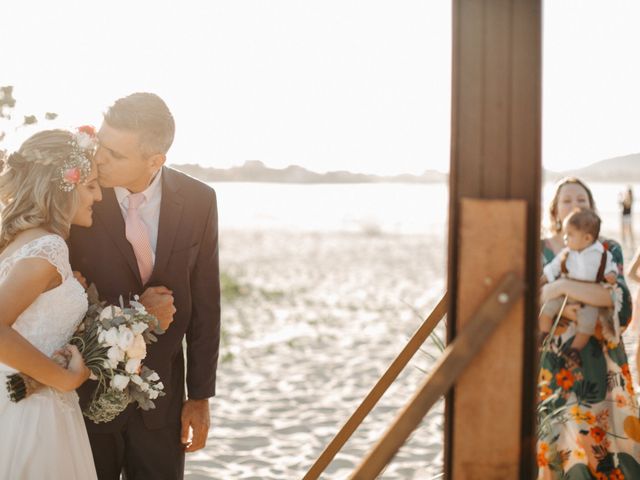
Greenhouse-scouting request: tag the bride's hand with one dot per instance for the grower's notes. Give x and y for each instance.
(78, 372)
(80, 278)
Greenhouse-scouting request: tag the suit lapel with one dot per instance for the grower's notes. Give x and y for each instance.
(170, 214)
(109, 213)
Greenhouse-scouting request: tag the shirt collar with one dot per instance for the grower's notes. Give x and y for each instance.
(595, 246)
(122, 193)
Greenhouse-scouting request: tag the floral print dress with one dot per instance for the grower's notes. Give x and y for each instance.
(588, 425)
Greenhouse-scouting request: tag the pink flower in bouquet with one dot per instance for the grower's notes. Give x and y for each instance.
(138, 349)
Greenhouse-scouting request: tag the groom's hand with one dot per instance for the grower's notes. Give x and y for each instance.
(158, 301)
(195, 416)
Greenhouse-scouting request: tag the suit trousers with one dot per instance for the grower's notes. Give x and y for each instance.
(138, 453)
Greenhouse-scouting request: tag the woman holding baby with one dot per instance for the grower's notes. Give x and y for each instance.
(588, 413)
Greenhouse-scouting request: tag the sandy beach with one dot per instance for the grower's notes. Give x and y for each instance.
(310, 322)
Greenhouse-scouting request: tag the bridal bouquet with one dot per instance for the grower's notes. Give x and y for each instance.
(113, 342)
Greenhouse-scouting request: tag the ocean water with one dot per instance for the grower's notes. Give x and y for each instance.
(363, 208)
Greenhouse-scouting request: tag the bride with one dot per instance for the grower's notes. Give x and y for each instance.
(46, 186)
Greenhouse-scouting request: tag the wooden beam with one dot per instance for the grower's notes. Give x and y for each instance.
(495, 154)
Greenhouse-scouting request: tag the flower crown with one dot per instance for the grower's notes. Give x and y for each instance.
(77, 167)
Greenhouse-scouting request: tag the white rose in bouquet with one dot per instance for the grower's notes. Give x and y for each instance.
(153, 394)
(110, 312)
(138, 306)
(125, 337)
(154, 377)
(110, 337)
(133, 365)
(114, 354)
(138, 327)
(119, 382)
(138, 349)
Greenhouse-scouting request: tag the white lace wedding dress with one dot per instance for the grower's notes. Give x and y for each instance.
(44, 436)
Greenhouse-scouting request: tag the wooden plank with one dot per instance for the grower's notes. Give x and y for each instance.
(467, 76)
(468, 101)
(378, 389)
(495, 154)
(487, 403)
(496, 130)
(453, 361)
(526, 183)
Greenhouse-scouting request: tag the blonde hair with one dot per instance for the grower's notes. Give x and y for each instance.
(29, 193)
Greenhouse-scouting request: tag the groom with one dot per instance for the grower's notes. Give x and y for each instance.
(155, 234)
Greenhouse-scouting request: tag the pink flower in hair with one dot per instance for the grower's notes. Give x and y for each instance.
(88, 129)
(72, 175)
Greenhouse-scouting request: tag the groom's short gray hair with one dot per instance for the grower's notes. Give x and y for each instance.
(146, 114)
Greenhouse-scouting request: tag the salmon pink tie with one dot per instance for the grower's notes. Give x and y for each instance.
(136, 233)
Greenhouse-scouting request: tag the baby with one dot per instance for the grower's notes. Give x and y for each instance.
(584, 259)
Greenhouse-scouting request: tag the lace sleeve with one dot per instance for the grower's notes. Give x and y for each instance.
(52, 248)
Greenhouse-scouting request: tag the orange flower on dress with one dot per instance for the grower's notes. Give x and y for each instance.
(621, 401)
(616, 475)
(565, 379)
(600, 476)
(545, 392)
(545, 376)
(597, 434)
(589, 417)
(626, 373)
(598, 333)
(542, 460)
(543, 448)
(629, 387)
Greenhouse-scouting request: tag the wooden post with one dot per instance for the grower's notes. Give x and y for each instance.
(495, 154)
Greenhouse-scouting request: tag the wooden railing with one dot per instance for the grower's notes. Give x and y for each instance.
(446, 371)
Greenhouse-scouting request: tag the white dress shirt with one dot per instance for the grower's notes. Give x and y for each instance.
(582, 265)
(149, 211)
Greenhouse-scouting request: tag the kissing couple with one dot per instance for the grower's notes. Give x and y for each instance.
(79, 208)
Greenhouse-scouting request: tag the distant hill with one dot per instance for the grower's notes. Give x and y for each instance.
(625, 169)
(257, 171)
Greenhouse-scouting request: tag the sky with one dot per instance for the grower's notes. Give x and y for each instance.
(328, 85)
